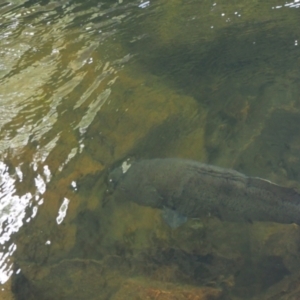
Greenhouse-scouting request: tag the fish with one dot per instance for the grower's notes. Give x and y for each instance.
(190, 189)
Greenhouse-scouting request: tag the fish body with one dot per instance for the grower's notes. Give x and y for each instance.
(196, 190)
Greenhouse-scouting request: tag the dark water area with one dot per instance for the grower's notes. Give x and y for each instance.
(87, 86)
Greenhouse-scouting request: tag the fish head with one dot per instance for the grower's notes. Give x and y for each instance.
(117, 174)
(114, 177)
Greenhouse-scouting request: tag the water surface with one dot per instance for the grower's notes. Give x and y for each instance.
(85, 85)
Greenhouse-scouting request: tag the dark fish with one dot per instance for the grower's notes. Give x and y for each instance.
(194, 190)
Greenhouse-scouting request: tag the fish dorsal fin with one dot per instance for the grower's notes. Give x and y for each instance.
(285, 193)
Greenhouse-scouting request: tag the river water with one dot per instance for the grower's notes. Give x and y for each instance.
(85, 85)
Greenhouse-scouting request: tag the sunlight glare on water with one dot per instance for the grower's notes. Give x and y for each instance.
(12, 209)
(50, 72)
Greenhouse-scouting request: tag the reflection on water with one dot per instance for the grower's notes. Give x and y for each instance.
(87, 85)
(54, 80)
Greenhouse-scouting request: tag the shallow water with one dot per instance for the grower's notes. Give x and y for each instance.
(85, 85)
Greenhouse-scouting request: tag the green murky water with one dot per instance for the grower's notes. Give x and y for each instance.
(85, 85)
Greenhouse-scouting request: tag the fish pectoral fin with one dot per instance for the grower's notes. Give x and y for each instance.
(173, 218)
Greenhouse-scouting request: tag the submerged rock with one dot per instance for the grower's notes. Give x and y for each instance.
(107, 279)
